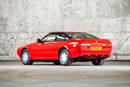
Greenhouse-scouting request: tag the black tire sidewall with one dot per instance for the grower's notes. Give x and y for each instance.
(98, 62)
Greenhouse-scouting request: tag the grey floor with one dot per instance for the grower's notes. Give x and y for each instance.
(111, 74)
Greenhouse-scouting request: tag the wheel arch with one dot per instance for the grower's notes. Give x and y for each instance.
(22, 51)
(27, 50)
(65, 47)
(61, 49)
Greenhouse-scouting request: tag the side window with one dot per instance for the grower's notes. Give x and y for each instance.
(61, 37)
(78, 36)
(49, 38)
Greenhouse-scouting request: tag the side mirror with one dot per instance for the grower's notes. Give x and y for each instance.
(39, 40)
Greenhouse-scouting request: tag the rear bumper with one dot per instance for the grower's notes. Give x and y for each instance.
(91, 56)
(97, 55)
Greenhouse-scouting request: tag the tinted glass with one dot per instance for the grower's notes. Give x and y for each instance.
(61, 37)
(49, 38)
(79, 35)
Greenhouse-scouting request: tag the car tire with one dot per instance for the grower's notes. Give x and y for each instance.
(98, 61)
(56, 62)
(25, 57)
(64, 58)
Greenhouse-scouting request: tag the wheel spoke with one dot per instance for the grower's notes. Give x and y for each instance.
(63, 57)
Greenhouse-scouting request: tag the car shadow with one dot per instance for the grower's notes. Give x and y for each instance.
(42, 64)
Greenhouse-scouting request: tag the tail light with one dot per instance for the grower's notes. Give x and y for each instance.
(88, 45)
(85, 45)
(109, 45)
(104, 45)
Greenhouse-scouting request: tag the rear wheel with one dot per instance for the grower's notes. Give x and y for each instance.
(98, 61)
(25, 57)
(64, 58)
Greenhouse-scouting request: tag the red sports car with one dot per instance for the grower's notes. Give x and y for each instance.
(63, 48)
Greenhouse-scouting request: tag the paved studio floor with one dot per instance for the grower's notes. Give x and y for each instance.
(111, 74)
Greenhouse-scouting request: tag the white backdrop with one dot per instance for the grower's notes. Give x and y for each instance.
(23, 21)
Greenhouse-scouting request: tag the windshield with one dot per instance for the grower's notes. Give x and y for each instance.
(79, 35)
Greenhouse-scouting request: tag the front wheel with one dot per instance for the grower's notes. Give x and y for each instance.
(64, 58)
(98, 61)
(25, 57)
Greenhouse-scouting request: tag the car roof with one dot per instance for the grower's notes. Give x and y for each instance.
(64, 32)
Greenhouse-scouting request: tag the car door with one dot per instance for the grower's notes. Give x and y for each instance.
(60, 41)
(43, 50)
(52, 46)
(49, 47)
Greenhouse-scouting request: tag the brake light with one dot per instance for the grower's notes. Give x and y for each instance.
(104, 44)
(85, 45)
(109, 45)
(88, 44)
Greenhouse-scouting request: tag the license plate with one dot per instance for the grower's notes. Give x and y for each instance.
(96, 48)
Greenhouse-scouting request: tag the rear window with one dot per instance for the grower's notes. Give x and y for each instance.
(80, 35)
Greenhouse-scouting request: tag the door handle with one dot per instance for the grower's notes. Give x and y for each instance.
(51, 44)
(39, 44)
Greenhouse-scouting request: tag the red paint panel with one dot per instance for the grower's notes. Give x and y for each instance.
(75, 47)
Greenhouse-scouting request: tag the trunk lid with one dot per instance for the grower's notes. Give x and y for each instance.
(95, 46)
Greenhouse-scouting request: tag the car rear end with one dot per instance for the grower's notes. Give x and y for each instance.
(91, 48)
(95, 48)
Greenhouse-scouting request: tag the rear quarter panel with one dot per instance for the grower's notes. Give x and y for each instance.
(73, 48)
